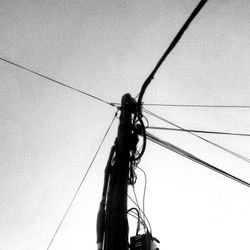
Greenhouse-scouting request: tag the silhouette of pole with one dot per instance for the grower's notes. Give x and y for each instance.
(116, 233)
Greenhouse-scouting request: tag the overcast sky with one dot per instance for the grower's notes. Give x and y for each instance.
(49, 134)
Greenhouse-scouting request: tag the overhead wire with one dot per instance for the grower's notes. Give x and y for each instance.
(195, 105)
(116, 104)
(186, 154)
(197, 131)
(80, 185)
(55, 81)
(200, 137)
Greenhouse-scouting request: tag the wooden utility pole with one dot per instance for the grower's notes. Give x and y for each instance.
(116, 222)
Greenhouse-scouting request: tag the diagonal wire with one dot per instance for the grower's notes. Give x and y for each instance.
(55, 81)
(193, 158)
(188, 105)
(200, 137)
(83, 179)
(198, 131)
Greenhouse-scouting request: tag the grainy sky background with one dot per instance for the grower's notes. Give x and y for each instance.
(49, 134)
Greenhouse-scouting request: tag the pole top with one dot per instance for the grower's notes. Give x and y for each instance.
(128, 103)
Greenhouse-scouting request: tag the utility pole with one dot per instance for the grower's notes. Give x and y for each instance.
(112, 222)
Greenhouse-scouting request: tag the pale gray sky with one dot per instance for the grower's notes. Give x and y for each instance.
(49, 134)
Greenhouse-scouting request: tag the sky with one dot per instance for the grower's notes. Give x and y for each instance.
(49, 134)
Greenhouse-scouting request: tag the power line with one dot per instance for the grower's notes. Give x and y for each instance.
(197, 131)
(144, 191)
(195, 105)
(188, 105)
(139, 219)
(55, 81)
(169, 49)
(193, 158)
(137, 205)
(200, 137)
(83, 179)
